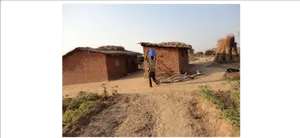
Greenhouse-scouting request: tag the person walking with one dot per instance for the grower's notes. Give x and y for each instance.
(151, 69)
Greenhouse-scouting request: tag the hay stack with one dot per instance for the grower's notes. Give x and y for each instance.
(111, 48)
(214, 51)
(166, 44)
(235, 54)
(226, 51)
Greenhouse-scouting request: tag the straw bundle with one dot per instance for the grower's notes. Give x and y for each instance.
(214, 51)
(111, 48)
(226, 50)
(235, 54)
(220, 52)
(234, 51)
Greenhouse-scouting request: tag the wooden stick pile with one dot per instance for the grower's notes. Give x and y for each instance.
(180, 77)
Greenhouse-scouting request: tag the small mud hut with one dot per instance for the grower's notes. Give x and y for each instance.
(86, 65)
(226, 51)
(172, 57)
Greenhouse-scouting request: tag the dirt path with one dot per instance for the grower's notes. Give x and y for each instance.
(161, 115)
(173, 114)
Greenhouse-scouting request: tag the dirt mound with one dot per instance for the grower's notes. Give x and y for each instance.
(205, 113)
(232, 75)
(78, 111)
(107, 122)
(226, 51)
(140, 120)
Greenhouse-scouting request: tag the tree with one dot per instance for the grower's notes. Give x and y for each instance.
(199, 53)
(208, 52)
(191, 51)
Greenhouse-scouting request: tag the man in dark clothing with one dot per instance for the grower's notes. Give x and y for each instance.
(151, 69)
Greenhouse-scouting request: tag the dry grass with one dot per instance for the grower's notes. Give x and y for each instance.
(227, 102)
(75, 108)
(78, 111)
(111, 47)
(166, 44)
(192, 57)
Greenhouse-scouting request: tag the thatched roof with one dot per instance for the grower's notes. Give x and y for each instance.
(166, 44)
(109, 50)
(111, 47)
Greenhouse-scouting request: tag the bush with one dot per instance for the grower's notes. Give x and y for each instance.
(229, 105)
(199, 54)
(73, 115)
(74, 103)
(75, 108)
(235, 82)
(191, 51)
(208, 52)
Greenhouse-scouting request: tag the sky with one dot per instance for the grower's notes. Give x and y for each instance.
(199, 25)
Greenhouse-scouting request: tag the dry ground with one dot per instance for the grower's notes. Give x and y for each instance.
(166, 110)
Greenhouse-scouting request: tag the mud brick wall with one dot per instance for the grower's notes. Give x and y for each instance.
(84, 67)
(183, 60)
(167, 62)
(129, 65)
(115, 71)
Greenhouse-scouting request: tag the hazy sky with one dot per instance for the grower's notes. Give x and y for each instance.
(127, 24)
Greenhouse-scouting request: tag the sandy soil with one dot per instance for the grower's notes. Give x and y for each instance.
(168, 114)
(136, 83)
(166, 110)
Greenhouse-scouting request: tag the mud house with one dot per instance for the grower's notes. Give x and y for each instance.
(172, 57)
(85, 64)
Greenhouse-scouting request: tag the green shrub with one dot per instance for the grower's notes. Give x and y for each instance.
(74, 103)
(75, 108)
(229, 105)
